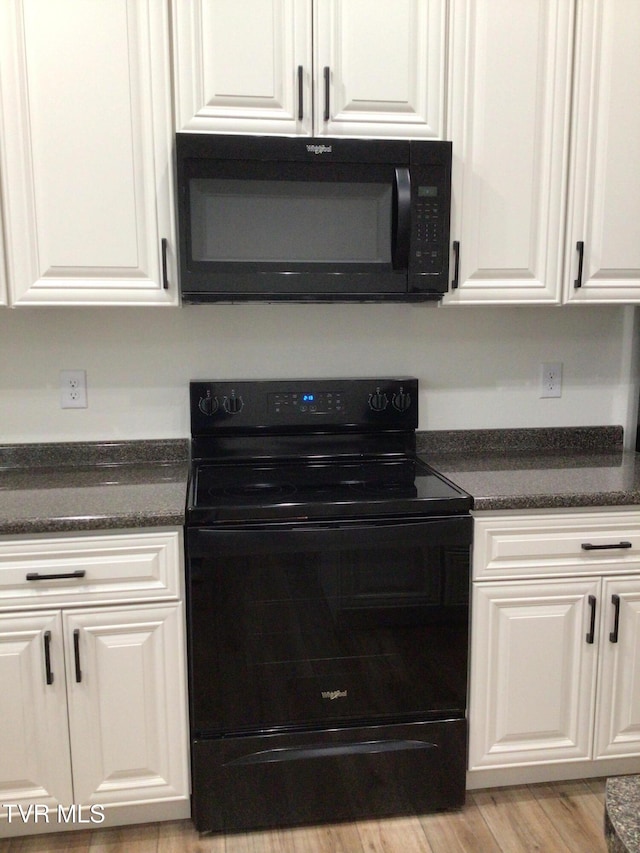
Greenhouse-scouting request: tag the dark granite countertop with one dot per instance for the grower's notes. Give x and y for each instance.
(92, 486)
(622, 814)
(116, 485)
(537, 468)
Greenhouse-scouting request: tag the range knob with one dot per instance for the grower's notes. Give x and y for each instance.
(208, 405)
(233, 405)
(401, 400)
(379, 401)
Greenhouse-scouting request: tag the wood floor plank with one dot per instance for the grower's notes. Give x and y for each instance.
(181, 837)
(518, 822)
(126, 839)
(393, 835)
(576, 812)
(597, 787)
(75, 842)
(329, 838)
(463, 831)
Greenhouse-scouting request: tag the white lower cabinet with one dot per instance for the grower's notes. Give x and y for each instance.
(555, 675)
(93, 699)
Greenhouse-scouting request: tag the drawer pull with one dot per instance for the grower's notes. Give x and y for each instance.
(587, 546)
(613, 636)
(592, 625)
(47, 656)
(36, 576)
(76, 654)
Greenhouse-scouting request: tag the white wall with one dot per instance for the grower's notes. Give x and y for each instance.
(478, 367)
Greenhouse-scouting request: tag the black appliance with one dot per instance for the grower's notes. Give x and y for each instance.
(328, 603)
(303, 219)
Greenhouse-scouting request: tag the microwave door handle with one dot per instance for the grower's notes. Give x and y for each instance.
(401, 218)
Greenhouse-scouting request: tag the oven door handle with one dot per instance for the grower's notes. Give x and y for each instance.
(304, 753)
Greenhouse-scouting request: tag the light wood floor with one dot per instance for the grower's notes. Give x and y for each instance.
(554, 818)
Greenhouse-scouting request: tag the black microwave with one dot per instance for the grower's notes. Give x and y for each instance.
(305, 219)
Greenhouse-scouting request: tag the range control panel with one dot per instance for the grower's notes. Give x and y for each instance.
(229, 406)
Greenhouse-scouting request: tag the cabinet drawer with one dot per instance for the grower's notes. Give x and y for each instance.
(539, 544)
(68, 570)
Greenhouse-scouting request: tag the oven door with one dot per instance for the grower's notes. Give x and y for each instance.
(299, 625)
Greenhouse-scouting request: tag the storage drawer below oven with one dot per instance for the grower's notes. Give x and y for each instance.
(242, 783)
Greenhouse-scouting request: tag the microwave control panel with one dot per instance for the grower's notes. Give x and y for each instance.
(430, 227)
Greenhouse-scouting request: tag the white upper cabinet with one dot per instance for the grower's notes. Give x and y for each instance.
(379, 68)
(243, 67)
(311, 67)
(510, 71)
(603, 232)
(544, 119)
(85, 96)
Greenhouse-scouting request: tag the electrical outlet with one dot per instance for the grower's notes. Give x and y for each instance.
(551, 379)
(73, 389)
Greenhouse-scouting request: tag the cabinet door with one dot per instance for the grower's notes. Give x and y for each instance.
(34, 735)
(509, 122)
(379, 67)
(243, 67)
(604, 197)
(618, 711)
(127, 714)
(532, 672)
(85, 94)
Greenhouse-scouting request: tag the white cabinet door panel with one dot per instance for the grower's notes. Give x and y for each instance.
(127, 714)
(618, 712)
(237, 65)
(87, 185)
(533, 673)
(509, 100)
(34, 737)
(385, 62)
(604, 203)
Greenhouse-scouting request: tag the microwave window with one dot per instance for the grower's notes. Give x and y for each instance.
(290, 221)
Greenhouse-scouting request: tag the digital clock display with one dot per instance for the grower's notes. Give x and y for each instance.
(308, 398)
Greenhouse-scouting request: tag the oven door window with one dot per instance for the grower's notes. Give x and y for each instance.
(293, 627)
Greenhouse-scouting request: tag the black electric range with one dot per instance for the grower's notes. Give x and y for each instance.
(328, 600)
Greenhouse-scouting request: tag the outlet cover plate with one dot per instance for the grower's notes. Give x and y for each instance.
(73, 389)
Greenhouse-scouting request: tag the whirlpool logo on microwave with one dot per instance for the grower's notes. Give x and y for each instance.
(334, 694)
(319, 149)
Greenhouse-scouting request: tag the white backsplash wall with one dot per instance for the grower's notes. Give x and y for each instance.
(478, 367)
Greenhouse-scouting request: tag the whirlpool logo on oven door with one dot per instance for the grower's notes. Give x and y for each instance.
(319, 149)
(334, 694)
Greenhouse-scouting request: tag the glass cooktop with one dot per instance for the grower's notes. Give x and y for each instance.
(314, 489)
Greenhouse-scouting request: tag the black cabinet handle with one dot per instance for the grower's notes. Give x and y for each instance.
(327, 80)
(613, 636)
(587, 546)
(592, 624)
(47, 657)
(580, 249)
(300, 102)
(165, 278)
(36, 576)
(456, 267)
(76, 654)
